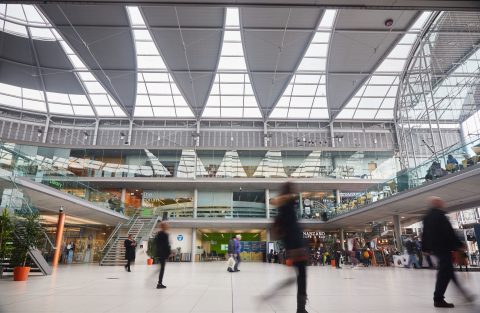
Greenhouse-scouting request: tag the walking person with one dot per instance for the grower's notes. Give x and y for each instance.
(287, 227)
(163, 251)
(231, 252)
(337, 249)
(439, 239)
(412, 253)
(237, 253)
(130, 246)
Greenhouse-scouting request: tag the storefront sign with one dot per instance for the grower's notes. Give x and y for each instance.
(313, 234)
(350, 194)
(55, 184)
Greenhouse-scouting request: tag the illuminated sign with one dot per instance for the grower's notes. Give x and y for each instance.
(313, 234)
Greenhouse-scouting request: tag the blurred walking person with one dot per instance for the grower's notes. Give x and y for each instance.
(439, 239)
(130, 246)
(287, 227)
(237, 253)
(163, 250)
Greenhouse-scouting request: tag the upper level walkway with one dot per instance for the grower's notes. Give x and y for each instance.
(50, 199)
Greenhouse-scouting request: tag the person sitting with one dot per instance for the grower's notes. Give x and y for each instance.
(452, 164)
(435, 171)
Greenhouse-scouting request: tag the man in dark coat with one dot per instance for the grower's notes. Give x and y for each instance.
(163, 251)
(439, 239)
(129, 245)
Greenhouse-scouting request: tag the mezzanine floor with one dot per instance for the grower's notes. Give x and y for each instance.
(207, 287)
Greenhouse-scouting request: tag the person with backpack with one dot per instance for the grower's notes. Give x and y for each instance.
(163, 251)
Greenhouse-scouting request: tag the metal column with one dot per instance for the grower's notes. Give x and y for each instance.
(267, 204)
(194, 244)
(195, 202)
(342, 238)
(59, 238)
(397, 228)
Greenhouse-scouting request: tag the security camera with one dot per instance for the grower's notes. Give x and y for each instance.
(61, 209)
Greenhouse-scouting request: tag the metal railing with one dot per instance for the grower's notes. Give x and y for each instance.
(431, 169)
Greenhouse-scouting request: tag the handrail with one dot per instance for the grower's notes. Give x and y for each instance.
(418, 173)
(113, 234)
(49, 167)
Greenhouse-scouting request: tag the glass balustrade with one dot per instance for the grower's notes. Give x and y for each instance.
(191, 164)
(452, 160)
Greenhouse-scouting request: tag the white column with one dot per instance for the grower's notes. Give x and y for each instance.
(195, 202)
(123, 197)
(45, 130)
(194, 244)
(398, 232)
(267, 206)
(338, 198)
(95, 133)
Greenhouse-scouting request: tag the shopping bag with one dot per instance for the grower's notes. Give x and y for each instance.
(230, 262)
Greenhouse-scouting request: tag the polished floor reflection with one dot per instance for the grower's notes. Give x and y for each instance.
(208, 287)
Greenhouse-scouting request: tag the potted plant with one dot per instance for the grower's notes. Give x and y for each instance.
(28, 233)
(151, 251)
(6, 237)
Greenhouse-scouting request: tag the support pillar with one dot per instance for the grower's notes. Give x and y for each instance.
(266, 248)
(195, 202)
(194, 244)
(123, 197)
(267, 206)
(398, 232)
(59, 237)
(342, 238)
(338, 198)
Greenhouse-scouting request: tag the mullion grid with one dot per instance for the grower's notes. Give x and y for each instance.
(305, 72)
(224, 108)
(157, 109)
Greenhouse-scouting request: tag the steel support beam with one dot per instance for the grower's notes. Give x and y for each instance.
(338, 4)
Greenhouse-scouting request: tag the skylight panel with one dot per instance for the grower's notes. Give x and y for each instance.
(15, 11)
(232, 94)
(304, 92)
(233, 18)
(380, 90)
(10, 101)
(15, 29)
(157, 92)
(328, 19)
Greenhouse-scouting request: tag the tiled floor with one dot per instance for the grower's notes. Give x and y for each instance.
(208, 287)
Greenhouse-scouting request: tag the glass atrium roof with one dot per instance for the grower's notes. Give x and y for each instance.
(306, 95)
(232, 94)
(159, 95)
(95, 102)
(376, 98)
(157, 92)
(453, 97)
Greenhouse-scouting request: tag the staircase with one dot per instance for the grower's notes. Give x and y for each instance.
(139, 227)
